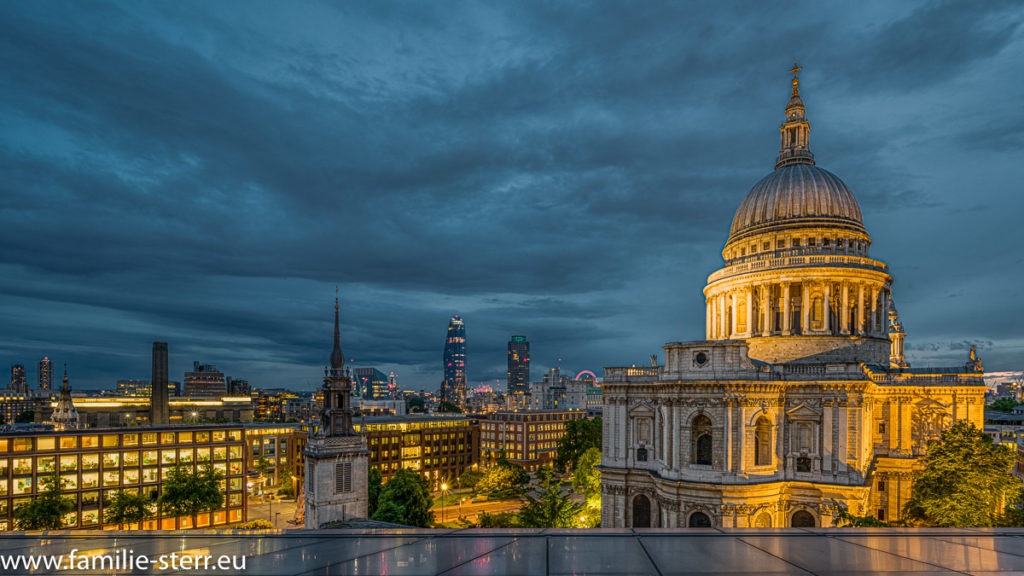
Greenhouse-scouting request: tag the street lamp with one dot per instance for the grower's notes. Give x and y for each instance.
(461, 500)
(444, 488)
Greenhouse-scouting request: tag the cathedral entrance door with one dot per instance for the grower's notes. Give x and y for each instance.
(641, 512)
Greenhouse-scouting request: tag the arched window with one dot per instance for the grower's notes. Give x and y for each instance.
(764, 520)
(641, 512)
(802, 519)
(699, 520)
(702, 445)
(641, 454)
(762, 442)
(817, 313)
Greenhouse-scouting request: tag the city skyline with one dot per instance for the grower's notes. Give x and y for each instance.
(516, 166)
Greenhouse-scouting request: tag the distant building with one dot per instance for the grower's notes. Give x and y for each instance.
(381, 407)
(18, 382)
(551, 392)
(271, 404)
(65, 416)
(134, 387)
(280, 447)
(44, 380)
(439, 448)
(204, 381)
(453, 389)
(529, 439)
(238, 387)
(370, 383)
(14, 403)
(518, 365)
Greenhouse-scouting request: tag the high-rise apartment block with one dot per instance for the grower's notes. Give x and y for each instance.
(44, 380)
(453, 389)
(18, 382)
(518, 365)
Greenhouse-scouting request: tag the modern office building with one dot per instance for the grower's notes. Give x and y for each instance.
(370, 383)
(439, 448)
(44, 374)
(115, 411)
(275, 404)
(18, 382)
(135, 387)
(518, 365)
(453, 389)
(95, 465)
(528, 438)
(279, 447)
(204, 381)
(237, 386)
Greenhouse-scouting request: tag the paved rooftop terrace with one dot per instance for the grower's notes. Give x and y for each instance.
(835, 552)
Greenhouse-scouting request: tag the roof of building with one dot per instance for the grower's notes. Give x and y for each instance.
(708, 551)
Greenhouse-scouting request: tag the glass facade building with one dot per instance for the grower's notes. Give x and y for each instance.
(453, 389)
(440, 448)
(518, 365)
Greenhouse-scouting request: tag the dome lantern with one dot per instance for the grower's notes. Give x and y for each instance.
(795, 131)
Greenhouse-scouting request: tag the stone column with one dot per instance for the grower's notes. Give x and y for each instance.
(786, 309)
(844, 316)
(674, 456)
(721, 317)
(860, 309)
(750, 310)
(826, 436)
(805, 310)
(741, 434)
(843, 433)
(766, 310)
(826, 310)
(728, 436)
(874, 310)
(707, 326)
(733, 315)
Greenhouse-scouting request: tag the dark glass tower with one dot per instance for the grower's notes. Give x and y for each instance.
(453, 389)
(518, 365)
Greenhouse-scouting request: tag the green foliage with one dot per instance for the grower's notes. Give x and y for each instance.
(580, 436)
(405, 499)
(445, 406)
(256, 525)
(844, 519)
(188, 492)
(128, 508)
(263, 466)
(553, 508)
(586, 478)
(373, 488)
(964, 482)
(1003, 405)
(287, 488)
(415, 404)
(469, 479)
(47, 510)
(500, 520)
(26, 417)
(504, 477)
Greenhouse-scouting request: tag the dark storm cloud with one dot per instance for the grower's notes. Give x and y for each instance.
(206, 173)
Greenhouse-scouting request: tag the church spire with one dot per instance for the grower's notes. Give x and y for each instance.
(795, 130)
(337, 357)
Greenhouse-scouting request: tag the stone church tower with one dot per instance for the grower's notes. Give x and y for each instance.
(337, 460)
(799, 400)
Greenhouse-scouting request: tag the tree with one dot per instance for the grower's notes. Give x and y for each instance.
(586, 480)
(373, 489)
(405, 499)
(553, 508)
(446, 406)
(188, 492)
(287, 488)
(26, 417)
(503, 477)
(47, 510)
(844, 519)
(128, 508)
(965, 480)
(499, 520)
(469, 479)
(580, 435)
(416, 404)
(1003, 405)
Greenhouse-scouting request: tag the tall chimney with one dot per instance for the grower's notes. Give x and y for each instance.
(158, 403)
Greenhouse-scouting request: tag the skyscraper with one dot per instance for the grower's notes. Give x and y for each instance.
(453, 389)
(372, 384)
(45, 379)
(18, 378)
(518, 365)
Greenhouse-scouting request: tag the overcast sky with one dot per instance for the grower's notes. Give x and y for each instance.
(205, 173)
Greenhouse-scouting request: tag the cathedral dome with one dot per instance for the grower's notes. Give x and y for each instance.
(796, 195)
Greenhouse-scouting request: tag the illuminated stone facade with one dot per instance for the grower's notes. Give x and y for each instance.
(800, 398)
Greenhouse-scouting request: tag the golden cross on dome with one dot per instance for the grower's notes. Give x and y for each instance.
(796, 81)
